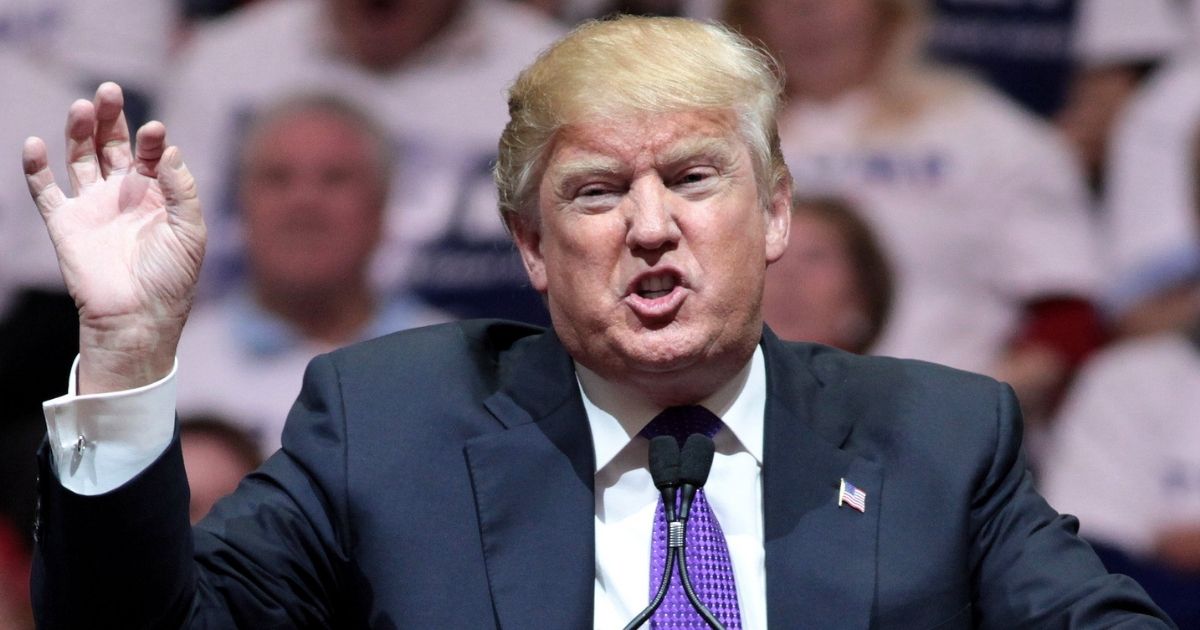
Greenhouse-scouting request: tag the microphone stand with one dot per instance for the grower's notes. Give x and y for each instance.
(669, 467)
(695, 464)
(664, 468)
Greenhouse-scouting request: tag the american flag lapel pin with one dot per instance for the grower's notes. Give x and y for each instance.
(852, 496)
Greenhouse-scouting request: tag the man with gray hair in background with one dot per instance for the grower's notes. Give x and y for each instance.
(486, 474)
(314, 173)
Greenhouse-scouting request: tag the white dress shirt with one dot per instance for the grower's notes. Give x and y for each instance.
(122, 433)
(626, 497)
(101, 441)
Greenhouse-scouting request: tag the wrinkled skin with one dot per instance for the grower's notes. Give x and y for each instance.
(650, 245)
(129, 244)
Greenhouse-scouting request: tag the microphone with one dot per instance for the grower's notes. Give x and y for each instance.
(664, 469)
(695, 464)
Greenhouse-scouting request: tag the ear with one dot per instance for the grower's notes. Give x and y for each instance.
(528, 237)
(779, 220)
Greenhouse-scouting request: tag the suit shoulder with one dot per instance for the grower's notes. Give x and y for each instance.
(889, 397)
(921, 420)
(454, 348)
(890, 376)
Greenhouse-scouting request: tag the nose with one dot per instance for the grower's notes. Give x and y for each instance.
(650, 223)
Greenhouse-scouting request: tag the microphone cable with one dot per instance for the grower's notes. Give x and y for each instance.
(664, 469)
(688, 470)
(695, 464)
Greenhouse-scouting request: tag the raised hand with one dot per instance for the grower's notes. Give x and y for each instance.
(129, 244)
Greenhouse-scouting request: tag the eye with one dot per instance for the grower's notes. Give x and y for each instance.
(592, 190)
(273, 176)
(696, 177)
(596, 196)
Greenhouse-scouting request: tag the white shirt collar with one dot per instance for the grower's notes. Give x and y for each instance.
(616, 418)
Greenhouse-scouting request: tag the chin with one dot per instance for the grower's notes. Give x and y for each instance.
(660, 363)
(662, 351)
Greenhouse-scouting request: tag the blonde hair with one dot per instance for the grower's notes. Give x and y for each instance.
(623, 65)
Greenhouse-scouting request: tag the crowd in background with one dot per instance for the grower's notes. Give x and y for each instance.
(1010, 187)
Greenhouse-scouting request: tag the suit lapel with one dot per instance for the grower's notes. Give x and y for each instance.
(533, 486)
(820, 558)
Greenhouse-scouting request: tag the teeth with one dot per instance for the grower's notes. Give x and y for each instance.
(656, 286)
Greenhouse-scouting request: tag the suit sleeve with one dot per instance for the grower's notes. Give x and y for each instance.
(1029, 567)
(271, 555)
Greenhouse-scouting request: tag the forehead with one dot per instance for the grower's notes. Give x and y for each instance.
(328, 130)
(643, 140)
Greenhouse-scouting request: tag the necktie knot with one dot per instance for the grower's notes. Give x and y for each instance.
(680, 422)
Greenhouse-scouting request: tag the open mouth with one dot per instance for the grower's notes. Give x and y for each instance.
(658, 294)
(656, 286)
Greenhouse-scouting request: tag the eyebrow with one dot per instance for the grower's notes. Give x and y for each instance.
(587, 167)
(718, 149)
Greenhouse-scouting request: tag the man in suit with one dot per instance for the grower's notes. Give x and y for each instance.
(488, 474)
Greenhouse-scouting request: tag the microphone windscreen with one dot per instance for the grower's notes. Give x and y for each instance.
(696, 460)
(664, 461)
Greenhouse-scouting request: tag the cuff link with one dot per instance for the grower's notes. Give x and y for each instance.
(81, 444)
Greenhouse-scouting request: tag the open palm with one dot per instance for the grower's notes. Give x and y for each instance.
(130, 242)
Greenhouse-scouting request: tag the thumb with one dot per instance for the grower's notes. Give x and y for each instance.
(179, 189)
(182, 201)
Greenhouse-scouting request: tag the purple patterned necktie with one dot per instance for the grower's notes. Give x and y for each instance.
(707, 555)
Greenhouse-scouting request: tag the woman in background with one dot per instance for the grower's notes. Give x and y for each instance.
(833, 285)
(979, 204)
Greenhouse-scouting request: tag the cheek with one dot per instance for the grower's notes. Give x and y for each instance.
(739, 246)
(360, 230)
(262, 214)
(583, 248)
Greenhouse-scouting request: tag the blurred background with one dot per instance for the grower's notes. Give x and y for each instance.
(1004, 186)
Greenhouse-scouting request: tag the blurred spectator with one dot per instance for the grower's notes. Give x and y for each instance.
(433, 72)
(1031, 50)
(198, 10)
(39, 328)
(314, 180)
(52, 52)
(1124, 459)
(86, 43)
(1022, 48)
(573, 11)
(33, 108)
(980, 206)
(1153, 204)
(1116, 46)
(833, 284)
(16, 613)
(216, 455)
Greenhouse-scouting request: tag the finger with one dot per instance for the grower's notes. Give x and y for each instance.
(45, 192)
(82, 166)
(151, 141)
(112, 132)
(179, 189)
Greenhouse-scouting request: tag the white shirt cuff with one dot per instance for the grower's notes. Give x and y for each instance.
(101, 441)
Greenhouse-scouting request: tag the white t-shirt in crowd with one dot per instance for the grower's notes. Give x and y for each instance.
(126, 41)
(979, 206)
(1119, 31)
(1150, 214)
(445, 109)
(35, 105)
(245, 364)
(1124, 455)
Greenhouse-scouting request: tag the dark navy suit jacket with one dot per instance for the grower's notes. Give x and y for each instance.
(443, 478)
